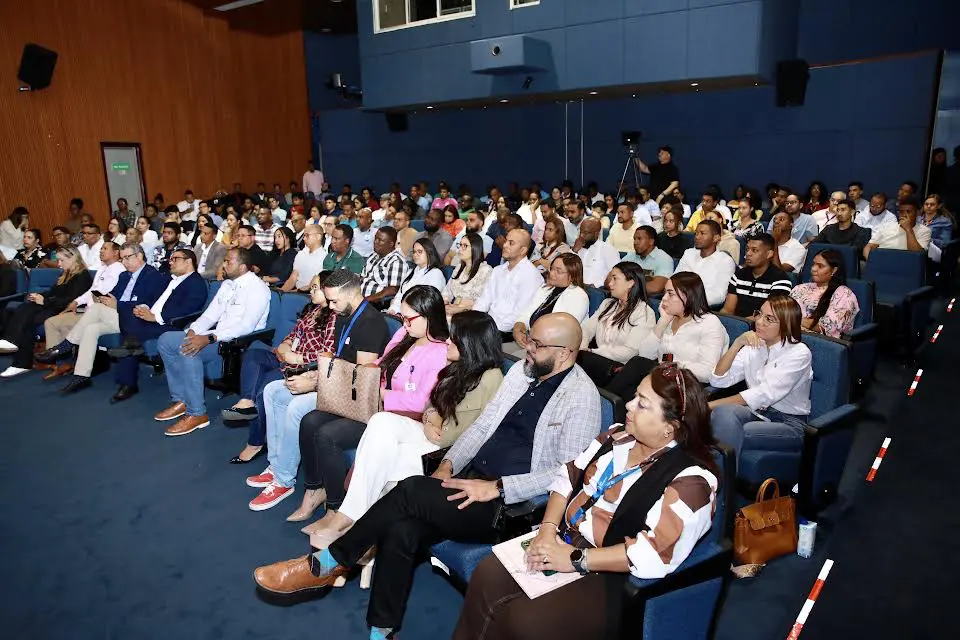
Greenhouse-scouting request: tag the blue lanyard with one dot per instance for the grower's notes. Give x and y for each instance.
(604, 483)
(346, 332)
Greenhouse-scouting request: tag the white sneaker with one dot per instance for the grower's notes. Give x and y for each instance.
(6, 345)
(10, 372)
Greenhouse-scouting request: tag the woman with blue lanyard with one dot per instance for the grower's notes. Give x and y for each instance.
(634, 503)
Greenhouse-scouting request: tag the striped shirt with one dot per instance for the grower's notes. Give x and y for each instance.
(675, 523)
(381, 272)
(751, 291)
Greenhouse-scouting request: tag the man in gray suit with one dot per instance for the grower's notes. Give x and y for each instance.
(546, 413)
(210, 253)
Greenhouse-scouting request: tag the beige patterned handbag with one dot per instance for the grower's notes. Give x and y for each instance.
(347, 390)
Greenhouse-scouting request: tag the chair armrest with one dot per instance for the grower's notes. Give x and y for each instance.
(832, 420)
(919, 293)
(864, 332)
(711, 561)
(717, 393)
(183, 322)
(527, 507)
(836, 426)
(432, 460)
(244, 341)
(13, 296)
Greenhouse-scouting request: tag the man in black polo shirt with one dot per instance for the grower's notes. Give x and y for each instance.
(845, 231)
(757, 280)
(247, 239)
(664, 176)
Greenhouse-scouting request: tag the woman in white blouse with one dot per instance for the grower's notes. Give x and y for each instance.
(466, 285)
(688, 334)
(618, 327)
(563, 292)
(428, 270)
(116, 231)
(777, 368)
(554, 244)
(11, 229)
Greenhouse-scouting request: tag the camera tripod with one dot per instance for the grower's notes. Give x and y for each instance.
(631, 162)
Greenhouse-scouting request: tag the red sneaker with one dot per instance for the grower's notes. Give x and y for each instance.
(269, 497)
(265, 479)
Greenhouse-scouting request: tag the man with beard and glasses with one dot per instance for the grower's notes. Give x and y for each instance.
(544, 414)
(360, 336)
(597, 255)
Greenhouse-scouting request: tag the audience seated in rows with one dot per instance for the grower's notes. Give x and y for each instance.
(656, 263)
(240, 306)
(384, 270)
(433, 232)
(906, 235)
(747, 221)
(467, 281)
(19, 324)
(280, 258)
(563, 291)
(341, 254)
(622, 231)
(826, 304)
(714, 267)
(510, 285)
(803, 227)
(506, 456)
(788, 253)
(777, 368)
(757, 280)
(672, 239)
(552, 245)
(597, 255)
(688, 333)
(876, 214)
(472, 224)
(843, 230)
(427, 270)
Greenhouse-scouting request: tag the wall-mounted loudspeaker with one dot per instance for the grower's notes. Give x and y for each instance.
(792, 77)
(36, 66)
(397, 122)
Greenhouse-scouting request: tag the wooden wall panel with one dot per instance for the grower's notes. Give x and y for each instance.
(208, 105)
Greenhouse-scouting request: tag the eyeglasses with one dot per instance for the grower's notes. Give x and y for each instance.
(408, 320)
(537, 345)
(766, 317)
(673, 371)
(127, 257)
(172, 258)
(314, 287)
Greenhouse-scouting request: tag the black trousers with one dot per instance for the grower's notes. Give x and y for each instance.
(20, 327)
(323, 439)
(403, 525)
(624, 384)
(599, 369)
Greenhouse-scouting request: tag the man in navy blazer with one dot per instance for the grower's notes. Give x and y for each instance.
(138, 284)
(184, 295)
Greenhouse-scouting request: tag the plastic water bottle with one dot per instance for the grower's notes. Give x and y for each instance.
(806, 538)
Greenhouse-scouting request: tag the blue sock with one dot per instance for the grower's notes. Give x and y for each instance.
(380, 633)
(327, 561)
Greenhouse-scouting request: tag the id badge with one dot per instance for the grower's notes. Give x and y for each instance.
(411, 386)
(295, 343)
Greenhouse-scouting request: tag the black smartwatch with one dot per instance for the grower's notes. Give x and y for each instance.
(578, 558)
(503, 496)
(212, 338)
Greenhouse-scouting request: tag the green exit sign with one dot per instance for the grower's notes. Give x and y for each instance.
(121, 166)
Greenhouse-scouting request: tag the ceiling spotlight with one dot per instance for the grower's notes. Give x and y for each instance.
(430, 107)
(694, 84)
(593, 93)
(503, 101)
(325, 30)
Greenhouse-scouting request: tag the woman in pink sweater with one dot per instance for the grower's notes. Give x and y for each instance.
(410, 364)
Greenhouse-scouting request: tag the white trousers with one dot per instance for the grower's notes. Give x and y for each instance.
(390, 450)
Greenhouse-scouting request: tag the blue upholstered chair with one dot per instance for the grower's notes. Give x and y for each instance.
(447, 271)
(863, 337)
(417, 224)
(851, 261)
(900, 277)
(393, 325)
(31, 281)
(596, 296)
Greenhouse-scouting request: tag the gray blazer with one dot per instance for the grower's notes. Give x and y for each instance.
(218, 252)
(569, 422)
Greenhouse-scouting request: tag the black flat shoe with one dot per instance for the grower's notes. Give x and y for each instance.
(239, 460)
(78, 383)
(124, 393)
(59, 352)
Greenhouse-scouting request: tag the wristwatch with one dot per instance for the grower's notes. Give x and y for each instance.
(578, 558)
(212, 338)
(503, 496)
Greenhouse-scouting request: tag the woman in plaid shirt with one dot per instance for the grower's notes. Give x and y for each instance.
(311, 335)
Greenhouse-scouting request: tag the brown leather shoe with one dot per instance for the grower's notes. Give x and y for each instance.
(187, 424)
(39, 366)
(58, 371)
(175, 410)
(294, 576)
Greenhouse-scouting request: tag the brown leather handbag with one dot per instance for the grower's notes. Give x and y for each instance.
(766, 529)
(347, 390)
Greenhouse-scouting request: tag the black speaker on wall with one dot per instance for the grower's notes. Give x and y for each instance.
(792, 77)
(36, 66)
(397, 122)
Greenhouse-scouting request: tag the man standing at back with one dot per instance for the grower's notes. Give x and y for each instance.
(512, 285)
(312, 182)
(714, 267)
(240, 307)
(664, 176)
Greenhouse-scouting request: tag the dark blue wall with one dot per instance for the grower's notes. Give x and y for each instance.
(328, 53)
(725, 137)
(592, 44)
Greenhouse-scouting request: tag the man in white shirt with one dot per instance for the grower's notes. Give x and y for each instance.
(855, 193)
(789, 254)
(621, 232)
(906, 235)
(240, 307)
(312, 182)
(56, 328)
(652, 209)
(877, 215)
(210, 253)
(309, 260)
(828, 216)
(714, 267)
(597, 256)
(511, 286)
(576, 211)
(364, 232)
(89, 247)
(189, 212)
(279, 215)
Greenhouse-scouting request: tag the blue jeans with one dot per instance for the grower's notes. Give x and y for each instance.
(284, 411)
(260, 367)
(737, 426)
(185, 373)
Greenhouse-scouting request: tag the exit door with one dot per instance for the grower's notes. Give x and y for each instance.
(124, 173)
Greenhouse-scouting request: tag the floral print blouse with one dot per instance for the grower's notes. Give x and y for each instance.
(839, 317)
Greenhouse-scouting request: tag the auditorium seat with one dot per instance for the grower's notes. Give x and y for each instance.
(851, 261)
(902, 293)
(863, 336)
(596, 296)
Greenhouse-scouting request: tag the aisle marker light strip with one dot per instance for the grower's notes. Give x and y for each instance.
(876, 462)
(936, 334)
(811, 600)
(916, 381)
(950, 306)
